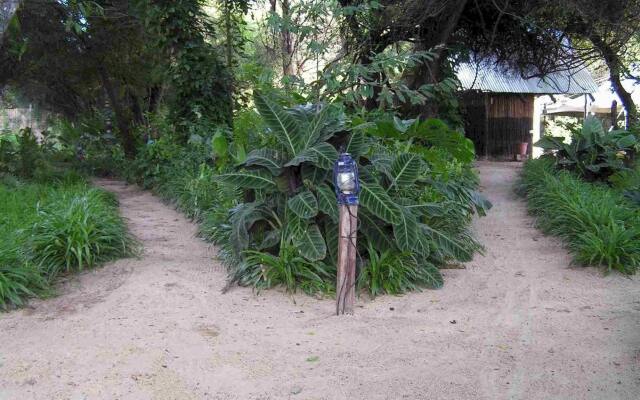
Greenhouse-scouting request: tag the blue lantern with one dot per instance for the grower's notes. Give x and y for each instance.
(345, 180)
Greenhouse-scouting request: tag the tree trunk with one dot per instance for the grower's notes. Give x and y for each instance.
(615, 71)
(122, 120)
(627, 101)
(287, 45)
(432, 72)
(228, 27)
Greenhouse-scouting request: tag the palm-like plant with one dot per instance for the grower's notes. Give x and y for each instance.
(291, 201)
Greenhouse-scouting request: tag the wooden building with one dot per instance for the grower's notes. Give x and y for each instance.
(498, 106)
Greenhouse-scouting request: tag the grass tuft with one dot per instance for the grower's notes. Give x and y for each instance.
(50, 229)
(600, 226)
(77, 230)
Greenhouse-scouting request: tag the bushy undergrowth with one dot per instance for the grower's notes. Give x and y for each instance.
(600, 226)
(269, 203)
(593, 154)
(184, 177)
(417, 198)
(49, 229)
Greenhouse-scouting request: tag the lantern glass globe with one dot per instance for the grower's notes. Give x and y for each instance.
(346, 182)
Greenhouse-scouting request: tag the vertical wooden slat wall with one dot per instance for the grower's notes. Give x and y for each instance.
(509, 122)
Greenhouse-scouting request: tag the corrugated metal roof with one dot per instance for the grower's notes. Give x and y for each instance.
(490, 78)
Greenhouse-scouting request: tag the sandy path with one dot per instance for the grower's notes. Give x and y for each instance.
(516, 324)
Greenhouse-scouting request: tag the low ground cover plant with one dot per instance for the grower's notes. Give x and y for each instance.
(600, 226)
(51, 229)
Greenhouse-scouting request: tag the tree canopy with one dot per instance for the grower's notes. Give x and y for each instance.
(191, 59)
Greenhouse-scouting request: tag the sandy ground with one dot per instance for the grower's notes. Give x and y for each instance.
(517, 323)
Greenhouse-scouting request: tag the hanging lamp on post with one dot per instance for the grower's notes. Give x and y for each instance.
(347, 186)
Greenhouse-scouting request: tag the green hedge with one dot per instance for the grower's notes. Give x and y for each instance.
(600, 226)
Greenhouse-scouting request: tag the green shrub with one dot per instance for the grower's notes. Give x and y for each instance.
(8, 152)
(593, 153)
(288, 268)
(19, 278)
(394, 273)
(628, 183)
(600, 226)
(76, 230)
(53, 228)
(290, 212)
(18, 282)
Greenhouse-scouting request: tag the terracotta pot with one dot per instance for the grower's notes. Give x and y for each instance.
(523, 149)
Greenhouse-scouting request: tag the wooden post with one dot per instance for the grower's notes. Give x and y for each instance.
(585, 106)
(346, 282)
(614, 114)
(487, 110)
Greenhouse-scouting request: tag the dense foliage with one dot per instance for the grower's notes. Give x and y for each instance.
(234, 111)
(592, 153)
(600, 227)
(286, 233)
(200, 80)
(51, 229)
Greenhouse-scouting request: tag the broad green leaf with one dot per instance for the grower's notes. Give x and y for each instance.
(436, 133)
(310, 243)
(327, 202)
(627, 141)
(324, 125)
(357, 144)
(220, 144)
(447, 246)
(422, 209)
(422, 246)
(326, 155)
(322, 155)
(242, 218)
(551, 143)
(267, 158)
(335, 123)
(406, 231)
(376, 231)
(304, 204)
(286, 128)
(270, 239)
(434, 277)
(405, 169)
(382, 163)
(592, 127)
(305, 156)
(248, 179)
(314, 174)
(375, 199)
(481, 203)
(331, 235)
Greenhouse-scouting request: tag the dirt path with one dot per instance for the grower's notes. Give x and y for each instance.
(516, 324)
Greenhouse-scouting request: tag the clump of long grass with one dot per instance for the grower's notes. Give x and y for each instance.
(393, 273)
(49, 229)
(599, 225)
(19, 279)
(76, 230)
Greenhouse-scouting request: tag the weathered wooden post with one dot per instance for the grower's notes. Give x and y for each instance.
(347, 186)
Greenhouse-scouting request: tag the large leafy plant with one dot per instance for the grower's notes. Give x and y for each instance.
(593, 153)
(290, 201)
(421, 135)
(448, 153)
